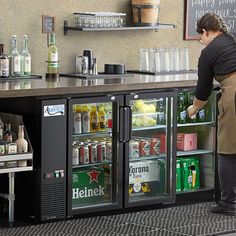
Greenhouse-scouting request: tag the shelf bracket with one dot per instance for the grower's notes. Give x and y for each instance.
(65, 27)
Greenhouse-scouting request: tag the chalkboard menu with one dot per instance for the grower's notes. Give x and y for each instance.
(195, 9)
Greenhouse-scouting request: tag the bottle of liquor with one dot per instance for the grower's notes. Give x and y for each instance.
(21, 142)
(4, 63)
(14, 58)
(161, 117)
(94, 125)
(182, 113)
(25, 58)
(52, 54)
(102, 118)
(8, 134)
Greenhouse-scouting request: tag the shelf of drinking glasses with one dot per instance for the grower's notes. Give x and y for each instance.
(156, 27)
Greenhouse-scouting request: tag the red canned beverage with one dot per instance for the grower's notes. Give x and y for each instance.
(133, 149)
(93, 153)
(144, 147)
(84, 154)
(108, 151)
(101, 152)
(77, 123)
(155, 147)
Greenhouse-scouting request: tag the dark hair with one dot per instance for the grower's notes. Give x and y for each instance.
(211, 22)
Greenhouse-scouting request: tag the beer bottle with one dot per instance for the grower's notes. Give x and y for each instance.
(182, 113)
(190, 98)
(161, 118)
(102, 118)
(201, 115)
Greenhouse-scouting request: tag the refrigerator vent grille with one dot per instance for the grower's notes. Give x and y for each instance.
(53, 201)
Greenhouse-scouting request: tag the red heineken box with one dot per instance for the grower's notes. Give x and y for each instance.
(186, 142)
(87, 186)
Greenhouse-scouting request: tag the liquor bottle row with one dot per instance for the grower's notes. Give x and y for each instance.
(15, 64)
(144, 147)
(91, 152)
(10, 143)
(91, 118)
(184, 101)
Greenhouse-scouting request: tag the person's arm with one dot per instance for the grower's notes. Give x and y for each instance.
(197, 105)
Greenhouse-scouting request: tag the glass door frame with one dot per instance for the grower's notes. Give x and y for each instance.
(170, 150)
(117, 150)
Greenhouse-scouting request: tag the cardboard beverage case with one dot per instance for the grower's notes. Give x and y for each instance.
(186, 142)
(87, 186)
(178, 176)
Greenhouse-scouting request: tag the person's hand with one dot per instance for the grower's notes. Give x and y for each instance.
(192, 111)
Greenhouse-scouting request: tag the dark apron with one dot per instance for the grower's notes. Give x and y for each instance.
(226, 137)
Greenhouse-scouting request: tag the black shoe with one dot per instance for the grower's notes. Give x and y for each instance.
(219, 209)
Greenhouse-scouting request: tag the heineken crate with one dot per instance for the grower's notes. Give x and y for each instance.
(146, 178)
(13, 162)
(190, 173)
(87, 186)
(178, 175)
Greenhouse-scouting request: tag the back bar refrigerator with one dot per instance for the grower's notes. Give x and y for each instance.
(95, 155)
(150, 149)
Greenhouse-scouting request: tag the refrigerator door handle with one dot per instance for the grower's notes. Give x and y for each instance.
(125, 124)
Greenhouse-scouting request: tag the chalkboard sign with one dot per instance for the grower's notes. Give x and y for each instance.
(195, 9)
(48, 23)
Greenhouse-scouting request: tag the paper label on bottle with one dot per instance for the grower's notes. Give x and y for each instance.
(54, 110)
(27, 66)
(16, 61)
(54, 60)
(4, 67)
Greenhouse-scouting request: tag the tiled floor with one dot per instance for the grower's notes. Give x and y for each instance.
(176, 221)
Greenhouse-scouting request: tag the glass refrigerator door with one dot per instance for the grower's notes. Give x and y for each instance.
(95, 179)
(150, 176)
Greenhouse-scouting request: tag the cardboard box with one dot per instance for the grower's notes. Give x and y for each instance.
(186, 142)
(162, 138)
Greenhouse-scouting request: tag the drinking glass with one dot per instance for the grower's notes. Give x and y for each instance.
(184, 59)
(144, 59)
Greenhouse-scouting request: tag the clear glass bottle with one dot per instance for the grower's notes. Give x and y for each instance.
(4, 63)
(2, 143)
(8, 134)
(52, 54)
(21, 142)
(14, 58)
(25, 58)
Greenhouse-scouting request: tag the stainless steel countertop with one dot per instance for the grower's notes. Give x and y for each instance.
(66, 85)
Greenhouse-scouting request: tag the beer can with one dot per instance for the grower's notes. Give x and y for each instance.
(84, 154)
(75, 156)
(85, 122)
(93, 153)
(155, 146)
(144, 147)
(108, 151)
(77, 123)
(133, 149)
(101, 151)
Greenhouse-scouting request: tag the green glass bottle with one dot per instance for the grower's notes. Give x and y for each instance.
(25, 58)
(52, 54)
(182, 113)
(190, 98)
(161, 116)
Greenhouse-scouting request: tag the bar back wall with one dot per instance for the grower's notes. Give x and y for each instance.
(25, 17)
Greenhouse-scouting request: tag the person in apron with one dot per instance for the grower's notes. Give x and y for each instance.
(218, 61)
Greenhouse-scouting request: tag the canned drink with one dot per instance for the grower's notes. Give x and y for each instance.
(86, 122)
(144, 148)
(75, 156)
(84, 154)
(155, 147)
(108, 151)
(77, 123)
(101, 152)
(82, 65)
(93, 153)
(133, 149)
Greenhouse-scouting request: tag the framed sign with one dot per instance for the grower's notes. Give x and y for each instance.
(48, 24)
(195, 9)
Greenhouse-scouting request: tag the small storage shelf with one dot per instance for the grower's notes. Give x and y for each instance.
(149, 127)
(93, 164)
(108, 132)
(195, 152)
(203, 189)
(159, 157)
(157, 27)
(197, 124)
(17, 78)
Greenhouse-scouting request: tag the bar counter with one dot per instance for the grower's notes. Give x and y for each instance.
(66, 86)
